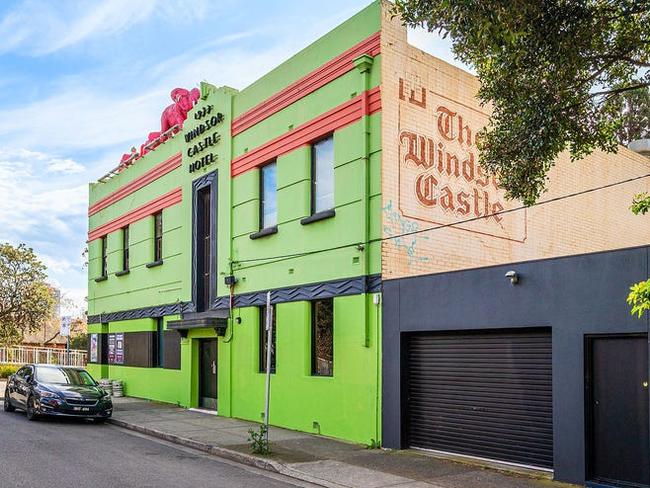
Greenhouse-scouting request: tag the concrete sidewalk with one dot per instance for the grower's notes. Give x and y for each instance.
(311, 458)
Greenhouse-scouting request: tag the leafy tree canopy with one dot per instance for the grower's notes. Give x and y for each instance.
(26, 300)
(559, 74)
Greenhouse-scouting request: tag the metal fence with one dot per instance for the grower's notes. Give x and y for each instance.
(42, 355)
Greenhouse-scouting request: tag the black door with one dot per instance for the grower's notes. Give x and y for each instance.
(203, 249)
(618, 437)
(482, 394)
(208, 374)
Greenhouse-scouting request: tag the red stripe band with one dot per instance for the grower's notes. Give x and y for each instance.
(340, 116)
(153, 174)
(307, 84)
(167, 200)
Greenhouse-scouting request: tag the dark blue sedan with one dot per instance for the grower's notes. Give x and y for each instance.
(41, 389)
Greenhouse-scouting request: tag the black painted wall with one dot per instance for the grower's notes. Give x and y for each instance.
(574, 295)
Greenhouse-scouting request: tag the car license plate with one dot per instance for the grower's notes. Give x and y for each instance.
(80, 409)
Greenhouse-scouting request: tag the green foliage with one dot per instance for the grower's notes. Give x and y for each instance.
(632, 109)
(259, 441)
(79, 342)
(7, 370)
(26, 301)
(639, 298)
(556, 74)
(373, 444)
(641, 204)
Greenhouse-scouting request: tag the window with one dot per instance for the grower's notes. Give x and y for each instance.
(322, 175)
(268, 196)
(160, 357)
(104, 258)
(125, 248)
(158, 233)
(322, 337)
(262, 341)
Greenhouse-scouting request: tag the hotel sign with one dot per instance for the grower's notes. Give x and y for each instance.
(209, 137)
(440, 180)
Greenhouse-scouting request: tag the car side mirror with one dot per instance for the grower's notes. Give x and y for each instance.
(28, 378)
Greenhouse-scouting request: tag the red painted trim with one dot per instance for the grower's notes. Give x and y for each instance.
(167, 200)
(338, 117)
(306, 85)
(153, 174)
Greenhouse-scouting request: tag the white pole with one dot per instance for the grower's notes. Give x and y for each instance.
(269, 330)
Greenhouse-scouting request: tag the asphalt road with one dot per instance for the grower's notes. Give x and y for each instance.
(52, 452)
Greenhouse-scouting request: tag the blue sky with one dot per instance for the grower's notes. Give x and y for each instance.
(83, 81)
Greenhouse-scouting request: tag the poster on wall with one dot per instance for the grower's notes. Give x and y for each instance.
(93, 347)
(119, 348)
(111, 348)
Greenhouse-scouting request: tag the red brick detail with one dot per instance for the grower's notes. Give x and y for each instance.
(306, 85)
(153, 174)
(157, 204)
(338, 117)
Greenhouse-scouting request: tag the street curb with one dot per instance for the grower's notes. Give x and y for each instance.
(236, 456)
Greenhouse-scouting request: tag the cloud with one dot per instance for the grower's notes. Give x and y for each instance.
(50, 163)
(33, 202)
(41, 27)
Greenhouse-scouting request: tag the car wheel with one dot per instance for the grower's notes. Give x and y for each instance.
(31, 409)
(8, 407)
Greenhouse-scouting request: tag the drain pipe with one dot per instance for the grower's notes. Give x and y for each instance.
(364, 64)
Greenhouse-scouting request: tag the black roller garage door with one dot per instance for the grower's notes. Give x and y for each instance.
(485, 394)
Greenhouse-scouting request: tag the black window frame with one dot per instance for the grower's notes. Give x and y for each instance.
(314, 358)
(104, 256)
(261, 189)
(125, 248)
(313, 185)
(157, 236)
(262, 340)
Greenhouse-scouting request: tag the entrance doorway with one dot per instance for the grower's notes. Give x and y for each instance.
(208, 374)
(618, 433)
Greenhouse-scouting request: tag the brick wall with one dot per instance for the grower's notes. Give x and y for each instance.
(431, 177)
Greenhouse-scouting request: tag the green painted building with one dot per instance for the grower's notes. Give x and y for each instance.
(274, 188)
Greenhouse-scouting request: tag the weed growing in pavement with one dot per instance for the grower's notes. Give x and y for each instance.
(259, 441)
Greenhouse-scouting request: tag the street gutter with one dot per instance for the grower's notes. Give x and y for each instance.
(229, 454)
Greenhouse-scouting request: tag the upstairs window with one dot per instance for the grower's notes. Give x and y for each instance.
(322, 175)
(268, 196)
(263, 337)
(322, 337)
(125, 248)
(104, 257)
(157, 239)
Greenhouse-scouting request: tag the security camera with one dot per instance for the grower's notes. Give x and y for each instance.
(512, 276)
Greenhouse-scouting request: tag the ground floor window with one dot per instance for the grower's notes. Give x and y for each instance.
(322, 337)
(160, 357)
(262, 339)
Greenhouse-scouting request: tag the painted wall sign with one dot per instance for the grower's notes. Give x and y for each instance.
(440, 179)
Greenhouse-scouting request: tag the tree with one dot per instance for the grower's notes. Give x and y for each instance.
(559, 75)
(26, 300)
(632, 108)
(552, 71)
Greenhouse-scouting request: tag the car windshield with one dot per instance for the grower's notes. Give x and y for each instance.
(64, 376)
